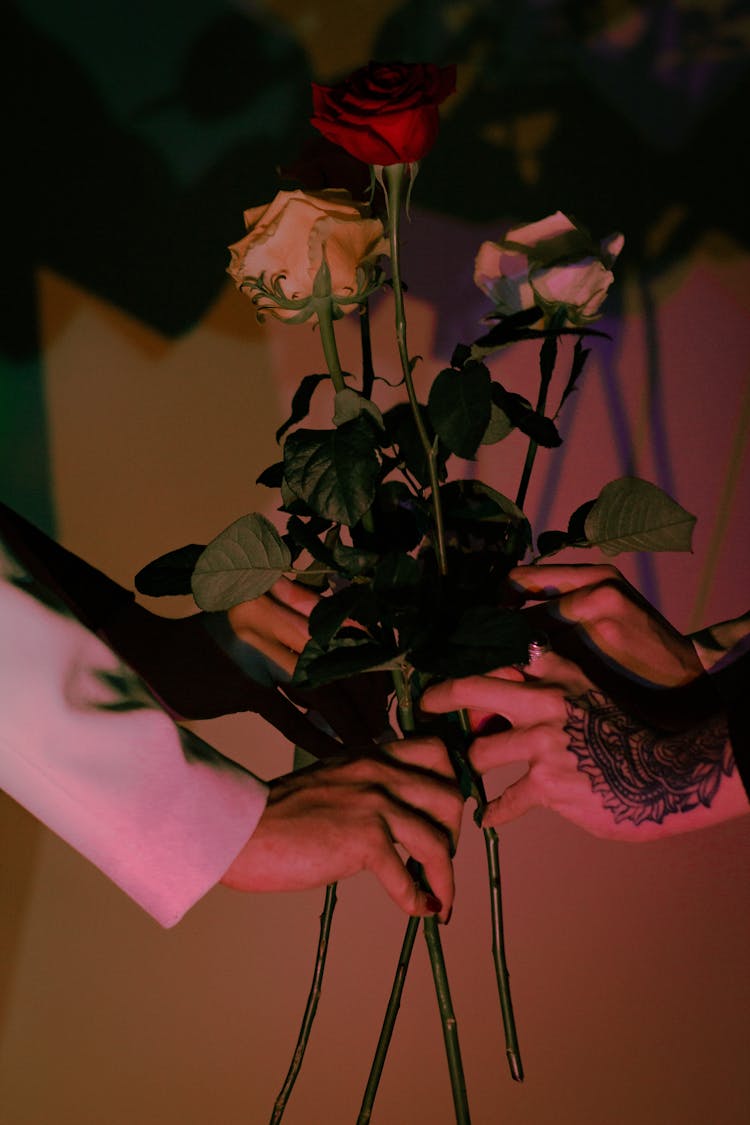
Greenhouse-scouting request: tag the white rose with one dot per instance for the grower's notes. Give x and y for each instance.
(553, 263)
(278, 260)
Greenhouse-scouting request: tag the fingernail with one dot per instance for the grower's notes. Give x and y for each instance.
(434, 905)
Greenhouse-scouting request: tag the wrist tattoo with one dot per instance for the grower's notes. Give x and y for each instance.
(642, 774)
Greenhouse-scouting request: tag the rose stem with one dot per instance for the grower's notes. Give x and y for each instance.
(368, 370)
(394, 175)
(448, 1020)
(328, 340)
(547, 357)
(310, 1007)
(492, 850)
(331, 352)
(498, 955)
(389, 1022)
(406, 721)
(437, 961)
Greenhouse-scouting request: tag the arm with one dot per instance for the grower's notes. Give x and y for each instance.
(203, 665)
(87, 749)
(591, 757)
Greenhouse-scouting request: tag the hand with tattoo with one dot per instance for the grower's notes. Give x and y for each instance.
(590, 759)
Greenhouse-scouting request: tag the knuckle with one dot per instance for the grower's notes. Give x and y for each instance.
(608, 599)
(609, 631)
(547, 737)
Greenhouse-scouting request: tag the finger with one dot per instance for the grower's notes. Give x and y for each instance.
(521, 703)
(295, 595)
(269, 626)
(388, 867)
(419, 792)
(438, 799)
(519, 744)
(622, 626)
(276, 653)
(428, 753)
(428, 845)
(517, 799)
(543, 581)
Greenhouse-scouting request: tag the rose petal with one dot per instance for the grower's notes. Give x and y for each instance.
(347, 246)
(384, 113)
(289, 236)
(533, 233)
(582, 285)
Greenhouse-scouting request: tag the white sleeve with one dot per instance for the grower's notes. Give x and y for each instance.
(84, 747)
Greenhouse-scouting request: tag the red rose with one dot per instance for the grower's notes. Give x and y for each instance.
(384, 113)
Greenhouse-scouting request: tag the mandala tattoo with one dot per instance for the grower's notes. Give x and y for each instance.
(642, 774)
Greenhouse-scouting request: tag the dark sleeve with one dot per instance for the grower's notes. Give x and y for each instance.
(184, 667)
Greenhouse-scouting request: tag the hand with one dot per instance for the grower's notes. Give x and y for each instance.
(276, 623)
(589, 760)
(613, 619)
(331, 821)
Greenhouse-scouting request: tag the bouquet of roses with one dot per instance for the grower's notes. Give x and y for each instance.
(411, 559)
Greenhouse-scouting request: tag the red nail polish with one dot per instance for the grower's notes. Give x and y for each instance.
(434, 905)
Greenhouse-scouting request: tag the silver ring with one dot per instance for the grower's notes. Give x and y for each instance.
(538, 645)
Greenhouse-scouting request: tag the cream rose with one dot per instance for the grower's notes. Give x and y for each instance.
(288, 241)
(553, 263)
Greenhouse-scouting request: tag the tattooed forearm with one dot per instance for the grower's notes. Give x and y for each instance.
(642, 774)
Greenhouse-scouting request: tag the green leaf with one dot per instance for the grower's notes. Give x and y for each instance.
(485, 638)
(349, 657)
(521, 414)
(240, 564)
(461, 353)
(631, 514)
(335, 472)
(550, 542)
(475, 500)
(547, 358)
(486, 625)
(483, 520)
(305, 536)
(169, 574)
(353, 602)
(399, 520)
(351, 560)
(402, 433)
(580, 355)
(350, 404)
(302, 759)
(498, 427)
(577, 522)
(397, 578)
(301, 402)
(273, 476)
(459, 407)
(542, 430)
